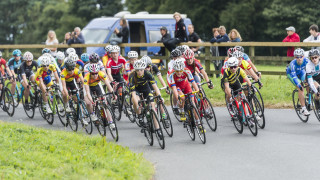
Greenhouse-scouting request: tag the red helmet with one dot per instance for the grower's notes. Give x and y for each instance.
(231, 51)
(188, 54)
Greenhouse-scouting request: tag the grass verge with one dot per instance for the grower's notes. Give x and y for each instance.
(34, 153)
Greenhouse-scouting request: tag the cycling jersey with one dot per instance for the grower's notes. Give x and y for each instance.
(296, 72)
(182, 82)
(28, 70)
(45, 75)
(192, 67)
(313, 73)
(94, 82)
(3, 66)
(14, 65)
(128, 67)
(232, 78)
(246, 57)
(141, 84)
(105, 59)
(116, 66)
(65, 76)
(86, 67)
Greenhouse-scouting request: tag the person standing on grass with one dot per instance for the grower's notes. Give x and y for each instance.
(292, 37)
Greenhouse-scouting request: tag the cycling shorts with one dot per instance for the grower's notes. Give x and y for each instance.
(97, 90)
(28, 76)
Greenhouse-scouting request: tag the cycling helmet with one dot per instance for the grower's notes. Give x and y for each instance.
(239, 48)
(69, 64)
(139, 64)
(69, 51)
(45, 60)
(115, 48)
(16, 52)
(298, 52)
(60, 55)
(108, 48)
(314, 52)
(176, 53)
(85, 57)
(237, 54)
(132, 54)
(188, 54)
(233, 61)
(94, 68)
(94, 58)
(0, 54)
(179, 64)
(231, 51)
(147, 60)
(28, 56)
(182, 48)
(74, 57)
(46, 50)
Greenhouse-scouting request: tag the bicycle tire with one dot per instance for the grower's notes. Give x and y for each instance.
(128, 107)
(147, 130)
(61, 113)
(41, 106)
(16, 94)
(189, 125)
(297, 106)
(168, 130)
(50, 117)
(100, 123)
(236, 118)
(30, 109)
(71, 117)
(258, 112)
(201, 134)
(114, 132)
(161, 142)
(210, 116)
(8, 102)
(260, 99)
(316, 111)
(250, 118)
(85, 116)
(171, 102)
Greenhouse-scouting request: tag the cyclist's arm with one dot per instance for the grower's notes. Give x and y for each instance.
(87, 89)
(195, 86)
(63, 82)
(227, 89)
(156, 89)
(175, 91)
(205, 75)
(254, 75)
(56, 76)
(311, 83)
(107, 83)
(109, 74)
(161, 80)
(8, 70)
(253, 66)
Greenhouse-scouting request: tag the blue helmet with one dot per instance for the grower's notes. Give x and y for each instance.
(46, 50)
(16, 52)
(85, 57)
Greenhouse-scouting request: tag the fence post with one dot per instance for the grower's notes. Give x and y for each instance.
(251, 53)
(207, 59)
(7, 54)
(167, 57)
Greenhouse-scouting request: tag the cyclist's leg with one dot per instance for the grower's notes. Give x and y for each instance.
(300, 93)
(135, 99)
(24, 84)
(13, 87)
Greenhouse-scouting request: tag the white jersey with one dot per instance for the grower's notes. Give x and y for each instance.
(313, 71)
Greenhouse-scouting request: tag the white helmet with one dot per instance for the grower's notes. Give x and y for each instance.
(108, 48)
(298, 52)
(45, 60)
(74, 57)
(47, 55)
(115, 48)
(94, 68)
(132, 54)
(233, 61)
(60, 55)
(70, 50)
(139, 64)
(146, 59)
(28, 56)
(178, 64)
(237, 54)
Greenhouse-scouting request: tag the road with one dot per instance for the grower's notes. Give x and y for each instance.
(285, 149)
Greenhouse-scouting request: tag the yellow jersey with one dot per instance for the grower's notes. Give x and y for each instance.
(230, 77)
(65, 76)
(41, 73)
(93, 82)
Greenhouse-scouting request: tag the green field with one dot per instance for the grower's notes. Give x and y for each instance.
(34, 153)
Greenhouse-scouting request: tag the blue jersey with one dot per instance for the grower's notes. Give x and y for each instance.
(14, 65)
(246, 57)
(297, 71)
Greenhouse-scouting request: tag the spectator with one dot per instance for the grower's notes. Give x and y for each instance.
(193, 37)
(292, 37)
(67, 36)
(180, 34)
(52, 40)
(214, 49)
(76, 38)
(123, 33)
(314, 35)
(234, 36)
(165, 37)
(222, 37)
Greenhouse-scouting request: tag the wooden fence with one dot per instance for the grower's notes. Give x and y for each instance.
(206, 57)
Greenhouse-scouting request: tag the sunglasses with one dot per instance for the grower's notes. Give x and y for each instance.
(180, 71)
(299, 57)
(45, 66)
(314, 57)
(233, 67)
(94, 73)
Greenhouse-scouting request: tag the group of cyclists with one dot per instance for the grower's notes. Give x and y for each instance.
(125, 85)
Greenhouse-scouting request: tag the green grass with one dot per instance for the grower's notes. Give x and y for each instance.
(35, 153)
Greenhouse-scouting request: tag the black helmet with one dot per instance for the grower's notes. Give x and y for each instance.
(176, 53)
(94, 58)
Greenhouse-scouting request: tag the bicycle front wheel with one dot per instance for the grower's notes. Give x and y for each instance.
(297, 106)
(8, 102)
(258, 112)
(159, 134)
(60, 107)
(250, 118)
(165, 120)
(85, 117)
(110, 118)
(101, 122)
(189, 124)
(29, 103)
(236, 118)
(71, 118)
(16, 95)
(209, 115)
(198, 123)
(177, 116)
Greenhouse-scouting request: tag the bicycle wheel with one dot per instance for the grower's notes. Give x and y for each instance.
(297, 106)
(100, 123)
(117, 108)
(250, 118)
(8, 102)
(165, 121)
(72, 118)
(198, 125)
(227, 104)
(128, 110)
(147, 130)
(29, 107)
(49, 117)
(208, 114)
(237, 118)
(259, 97)
(189, 124)
(258, 112)
(171, 102)
(161, 140)
(16, 95)
(61, 110)
(85, 116)
(109, 115)
(316, 111)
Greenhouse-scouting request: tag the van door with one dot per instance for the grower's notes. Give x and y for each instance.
(138, 35)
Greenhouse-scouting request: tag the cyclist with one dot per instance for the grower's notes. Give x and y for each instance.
(92, 85)
(246, 57)
(85, 58)
(179, 82)
(296, 73)
(107, 55)
(27, 69)
(193, 64)
(133, 56)
(3, 67)
(140, 81)
(46, 50)
(60, 59)
(43, 78)
(94, 59)
(79, 62)
(313, 74)
(69, 51)
(14, 64)
(182, 48)
(153, 69)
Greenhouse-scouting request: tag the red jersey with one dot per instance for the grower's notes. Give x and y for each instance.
(3, 65)
(180, 82)
(196, 64)
(116, 67)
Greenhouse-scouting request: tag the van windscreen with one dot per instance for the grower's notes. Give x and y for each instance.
(95, 36)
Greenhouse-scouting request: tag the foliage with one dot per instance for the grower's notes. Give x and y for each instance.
(35, 153)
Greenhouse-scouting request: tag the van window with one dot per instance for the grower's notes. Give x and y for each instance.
(94, 36)
(155, 36)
